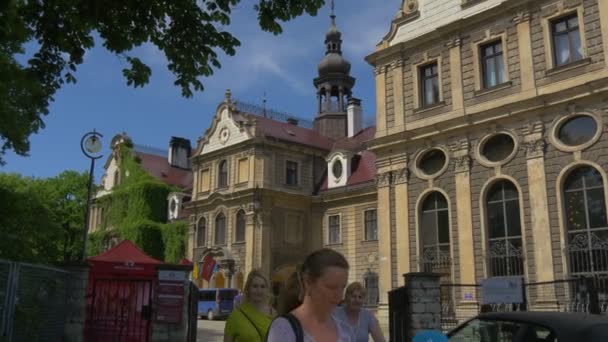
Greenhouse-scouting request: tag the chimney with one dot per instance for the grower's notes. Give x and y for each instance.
(354, 116)
(179, 152)
(292, 121)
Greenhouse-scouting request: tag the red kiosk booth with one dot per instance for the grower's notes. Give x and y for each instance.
(120, 295)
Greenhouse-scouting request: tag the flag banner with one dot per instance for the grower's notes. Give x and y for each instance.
(208, 267)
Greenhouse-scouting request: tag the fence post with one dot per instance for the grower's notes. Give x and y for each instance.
(423, 295)
(525, 295)
(594, 304)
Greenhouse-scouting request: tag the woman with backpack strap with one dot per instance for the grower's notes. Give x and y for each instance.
(249, 322)
(320, 280)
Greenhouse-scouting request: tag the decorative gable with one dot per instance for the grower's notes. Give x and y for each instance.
(224, 131)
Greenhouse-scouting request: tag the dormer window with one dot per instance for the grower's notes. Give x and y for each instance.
(336, 169)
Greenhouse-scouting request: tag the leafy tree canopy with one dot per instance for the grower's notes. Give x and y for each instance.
(189, 32)
(42, 220)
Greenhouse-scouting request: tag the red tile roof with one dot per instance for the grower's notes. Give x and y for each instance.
(159, 167)
(289, 132)
(357, 142)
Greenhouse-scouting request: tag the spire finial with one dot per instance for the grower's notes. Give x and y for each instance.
(332, 8)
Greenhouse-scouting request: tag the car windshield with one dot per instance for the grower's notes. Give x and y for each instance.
(478, 330)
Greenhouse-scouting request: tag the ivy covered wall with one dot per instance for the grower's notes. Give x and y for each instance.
(136, 210)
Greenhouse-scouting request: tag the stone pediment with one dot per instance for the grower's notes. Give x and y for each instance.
(223, 132)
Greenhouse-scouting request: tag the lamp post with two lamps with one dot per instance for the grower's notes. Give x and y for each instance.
(90, 144)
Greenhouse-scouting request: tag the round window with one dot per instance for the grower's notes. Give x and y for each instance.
(498, 148)
(337, 168)
(432, 161)
(577, 130)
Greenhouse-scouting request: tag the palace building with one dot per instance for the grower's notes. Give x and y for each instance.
(269, 188)
(488, 157)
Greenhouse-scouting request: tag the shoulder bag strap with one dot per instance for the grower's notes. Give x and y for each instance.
(250, 321)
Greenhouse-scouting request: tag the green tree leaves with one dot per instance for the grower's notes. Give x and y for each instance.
(42, 220)
(189, 32)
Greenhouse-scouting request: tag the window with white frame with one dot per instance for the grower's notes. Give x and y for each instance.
(333, 227)
(566, 40)
(371, 225)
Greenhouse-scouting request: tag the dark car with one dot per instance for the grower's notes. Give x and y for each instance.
(532, 327)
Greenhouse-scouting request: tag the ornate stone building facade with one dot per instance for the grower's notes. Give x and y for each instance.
(491, 140)
(268, 188)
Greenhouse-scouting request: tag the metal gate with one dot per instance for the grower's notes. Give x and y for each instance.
(119, 311)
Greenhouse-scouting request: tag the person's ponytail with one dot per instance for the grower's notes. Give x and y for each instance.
(291, 294)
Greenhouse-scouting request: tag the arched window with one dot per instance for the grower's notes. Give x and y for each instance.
(222, 174)
(239, 235)
(505, 256)
(435, 234)
(586, 221)
(220, 229)
(201, 232)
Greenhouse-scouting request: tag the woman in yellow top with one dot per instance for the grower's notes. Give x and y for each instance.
(249, 322)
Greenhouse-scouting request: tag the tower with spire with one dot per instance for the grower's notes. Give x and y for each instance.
(334, 85)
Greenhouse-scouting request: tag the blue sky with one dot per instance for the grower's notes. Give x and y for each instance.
(282, 66)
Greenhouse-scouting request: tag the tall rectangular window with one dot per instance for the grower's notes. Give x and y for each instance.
(334, 229)
(371, 225)
(222, 174)
(429, 84)
(291, 173)
(566, 37)
(492, 64)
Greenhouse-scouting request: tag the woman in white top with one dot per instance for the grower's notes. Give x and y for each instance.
(357, 317)
(321, 280)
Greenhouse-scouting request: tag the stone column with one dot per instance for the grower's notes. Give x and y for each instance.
(398, 96)
(385, 281)
(402, 221)
(424, 303)
(249, 242)
(340, 98)
(603, 14)
(380, 100)
(318, 102)
(539, 207)
(526, 64)
(456, 74)
(464, 214)
(191, 241)
(263, 247)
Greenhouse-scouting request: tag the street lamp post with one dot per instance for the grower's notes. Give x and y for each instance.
(90, 144)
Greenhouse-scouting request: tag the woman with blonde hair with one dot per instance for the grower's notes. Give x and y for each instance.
(249, 322)
(357, 317)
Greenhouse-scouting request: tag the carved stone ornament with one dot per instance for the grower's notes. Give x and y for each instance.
(462, 163)
(402, 176)
(383, 179)
(409, 6)
(535, 148)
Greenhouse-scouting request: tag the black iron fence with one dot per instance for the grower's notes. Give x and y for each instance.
(460, 302)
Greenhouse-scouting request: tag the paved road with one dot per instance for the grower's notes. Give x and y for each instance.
(210, 331)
